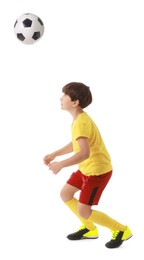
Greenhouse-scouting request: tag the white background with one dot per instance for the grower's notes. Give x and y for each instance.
(100, 43)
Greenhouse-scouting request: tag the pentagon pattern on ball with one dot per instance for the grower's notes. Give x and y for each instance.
(27, 22)
(20, 37)
(29, 28)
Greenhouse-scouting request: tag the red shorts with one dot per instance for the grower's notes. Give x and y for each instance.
(91, 187)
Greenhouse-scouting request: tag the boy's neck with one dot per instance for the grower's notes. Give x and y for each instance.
(75, 113)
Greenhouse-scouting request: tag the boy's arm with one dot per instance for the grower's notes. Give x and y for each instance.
(64, 150)
(80, 156)
(83, 154)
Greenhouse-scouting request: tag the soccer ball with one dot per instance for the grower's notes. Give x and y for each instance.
(28, 28)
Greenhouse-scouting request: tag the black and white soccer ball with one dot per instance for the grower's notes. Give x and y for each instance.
(29, 28)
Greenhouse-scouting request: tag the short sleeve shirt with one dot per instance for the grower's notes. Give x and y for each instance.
(99, 161)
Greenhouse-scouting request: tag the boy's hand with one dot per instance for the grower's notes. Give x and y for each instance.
(48, 158)
(55, 167)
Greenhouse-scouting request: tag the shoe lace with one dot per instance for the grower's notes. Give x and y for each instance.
(81, 227)
(115, 234)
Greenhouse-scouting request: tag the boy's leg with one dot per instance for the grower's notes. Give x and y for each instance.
(73, 205)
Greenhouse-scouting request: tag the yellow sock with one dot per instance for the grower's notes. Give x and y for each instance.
(104, 220)
(73, 204)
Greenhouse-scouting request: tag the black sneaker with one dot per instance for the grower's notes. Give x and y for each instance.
(118, 237)
(83, 233)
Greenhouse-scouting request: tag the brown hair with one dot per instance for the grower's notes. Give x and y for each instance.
(78, 91)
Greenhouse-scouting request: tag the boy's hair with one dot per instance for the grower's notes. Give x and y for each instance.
(78, 91)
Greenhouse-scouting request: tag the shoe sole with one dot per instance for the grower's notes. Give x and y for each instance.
(89, 237)
(82, 238)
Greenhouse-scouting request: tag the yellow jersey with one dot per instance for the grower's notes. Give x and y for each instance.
(99, 161)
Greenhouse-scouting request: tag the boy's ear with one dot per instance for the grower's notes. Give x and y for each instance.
(76, 103)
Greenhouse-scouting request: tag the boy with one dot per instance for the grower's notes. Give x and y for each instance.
(94, 168)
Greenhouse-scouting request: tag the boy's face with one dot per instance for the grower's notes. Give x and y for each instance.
(66, 103)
